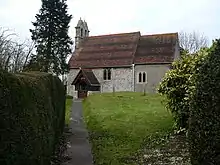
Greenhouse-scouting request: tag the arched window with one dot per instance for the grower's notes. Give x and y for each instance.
(140, 77)
(107, 74)
(144, 77)
(81, 32)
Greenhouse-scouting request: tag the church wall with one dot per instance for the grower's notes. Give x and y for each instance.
(154, 75)
(71, 88)
(121, 79)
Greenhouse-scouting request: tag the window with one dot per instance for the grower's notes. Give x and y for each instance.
(142, 77)
(81, 32)
(107, 74)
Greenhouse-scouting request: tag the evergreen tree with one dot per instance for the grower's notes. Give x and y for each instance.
(53, 44)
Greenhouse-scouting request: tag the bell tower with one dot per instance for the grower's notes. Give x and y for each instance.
(82, 31)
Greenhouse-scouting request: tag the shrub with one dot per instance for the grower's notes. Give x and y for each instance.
(32, 108)
(176, 86)
(204, 128)
(69, 97)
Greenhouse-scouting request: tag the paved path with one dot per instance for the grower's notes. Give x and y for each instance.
(79, 148)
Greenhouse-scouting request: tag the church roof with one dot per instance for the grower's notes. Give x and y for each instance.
(157, 48)
(89, 77)
(123, 49)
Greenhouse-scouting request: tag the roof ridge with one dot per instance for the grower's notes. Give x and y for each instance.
(147, 35)
(114, 34)
(83, 71)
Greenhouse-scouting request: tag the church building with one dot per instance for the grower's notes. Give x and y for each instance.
(119, 62)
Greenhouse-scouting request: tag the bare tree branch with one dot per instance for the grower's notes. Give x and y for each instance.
(192, 42)
(30, 49)
(13, 55)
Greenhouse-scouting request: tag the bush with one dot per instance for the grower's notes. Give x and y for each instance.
(32, 108)
(177, 84)
(69, 97)
(204, 128)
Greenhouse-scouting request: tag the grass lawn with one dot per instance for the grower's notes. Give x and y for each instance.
(121, 125)
(68, 110)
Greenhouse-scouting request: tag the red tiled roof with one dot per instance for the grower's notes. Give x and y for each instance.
(123, 49)
(157, 48)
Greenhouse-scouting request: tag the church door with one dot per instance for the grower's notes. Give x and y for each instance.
(82, 92)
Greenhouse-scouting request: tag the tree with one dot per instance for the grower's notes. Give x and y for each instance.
(177, 85)
(204, 123)
(13, 55)
(192, 42)
(53, 44)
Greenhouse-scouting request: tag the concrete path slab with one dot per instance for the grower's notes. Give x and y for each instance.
(79, 149)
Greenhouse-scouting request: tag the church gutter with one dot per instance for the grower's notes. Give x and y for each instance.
(133, 77)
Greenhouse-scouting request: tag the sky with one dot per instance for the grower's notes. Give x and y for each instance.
(120, 16)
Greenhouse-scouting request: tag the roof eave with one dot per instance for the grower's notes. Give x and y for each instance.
(110, 66)
(95, 85)
(151, 63)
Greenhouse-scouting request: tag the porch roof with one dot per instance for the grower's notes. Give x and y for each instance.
(88, 75)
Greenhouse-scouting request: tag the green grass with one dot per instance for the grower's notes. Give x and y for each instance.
(68, 110)
(120, 125)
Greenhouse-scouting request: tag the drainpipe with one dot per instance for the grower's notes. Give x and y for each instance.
(133, 77)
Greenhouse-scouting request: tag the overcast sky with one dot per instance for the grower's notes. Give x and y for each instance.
(118, 16)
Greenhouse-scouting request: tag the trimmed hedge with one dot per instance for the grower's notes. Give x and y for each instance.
(32, 108)
(204, 123)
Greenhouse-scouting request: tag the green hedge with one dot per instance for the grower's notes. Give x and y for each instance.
(32, 108)
(204, 123)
